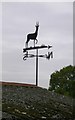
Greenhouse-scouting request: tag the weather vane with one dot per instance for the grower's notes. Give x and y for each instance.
(33, 36)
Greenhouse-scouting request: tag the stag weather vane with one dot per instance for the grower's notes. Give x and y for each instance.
(33, 36)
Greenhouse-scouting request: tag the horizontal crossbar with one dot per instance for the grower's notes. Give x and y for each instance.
(37, 47)
(50, 54)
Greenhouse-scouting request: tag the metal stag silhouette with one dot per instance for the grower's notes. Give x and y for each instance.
(32, 36)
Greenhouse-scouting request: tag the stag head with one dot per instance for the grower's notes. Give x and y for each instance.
(37, 24)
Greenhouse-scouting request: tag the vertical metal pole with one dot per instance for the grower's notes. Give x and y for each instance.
(36, 67)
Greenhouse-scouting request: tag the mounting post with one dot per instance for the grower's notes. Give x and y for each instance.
(36, 67)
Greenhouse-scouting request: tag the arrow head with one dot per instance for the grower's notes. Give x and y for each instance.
(49, 46)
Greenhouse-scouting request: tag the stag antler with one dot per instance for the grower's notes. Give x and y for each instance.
(37, 24)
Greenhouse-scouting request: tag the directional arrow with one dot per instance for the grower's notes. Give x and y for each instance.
(37, 47)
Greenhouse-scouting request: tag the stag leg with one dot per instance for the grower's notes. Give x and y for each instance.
(26, 45)
(36, 41)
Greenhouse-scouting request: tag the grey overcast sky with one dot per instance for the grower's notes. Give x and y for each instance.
(56, 29)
